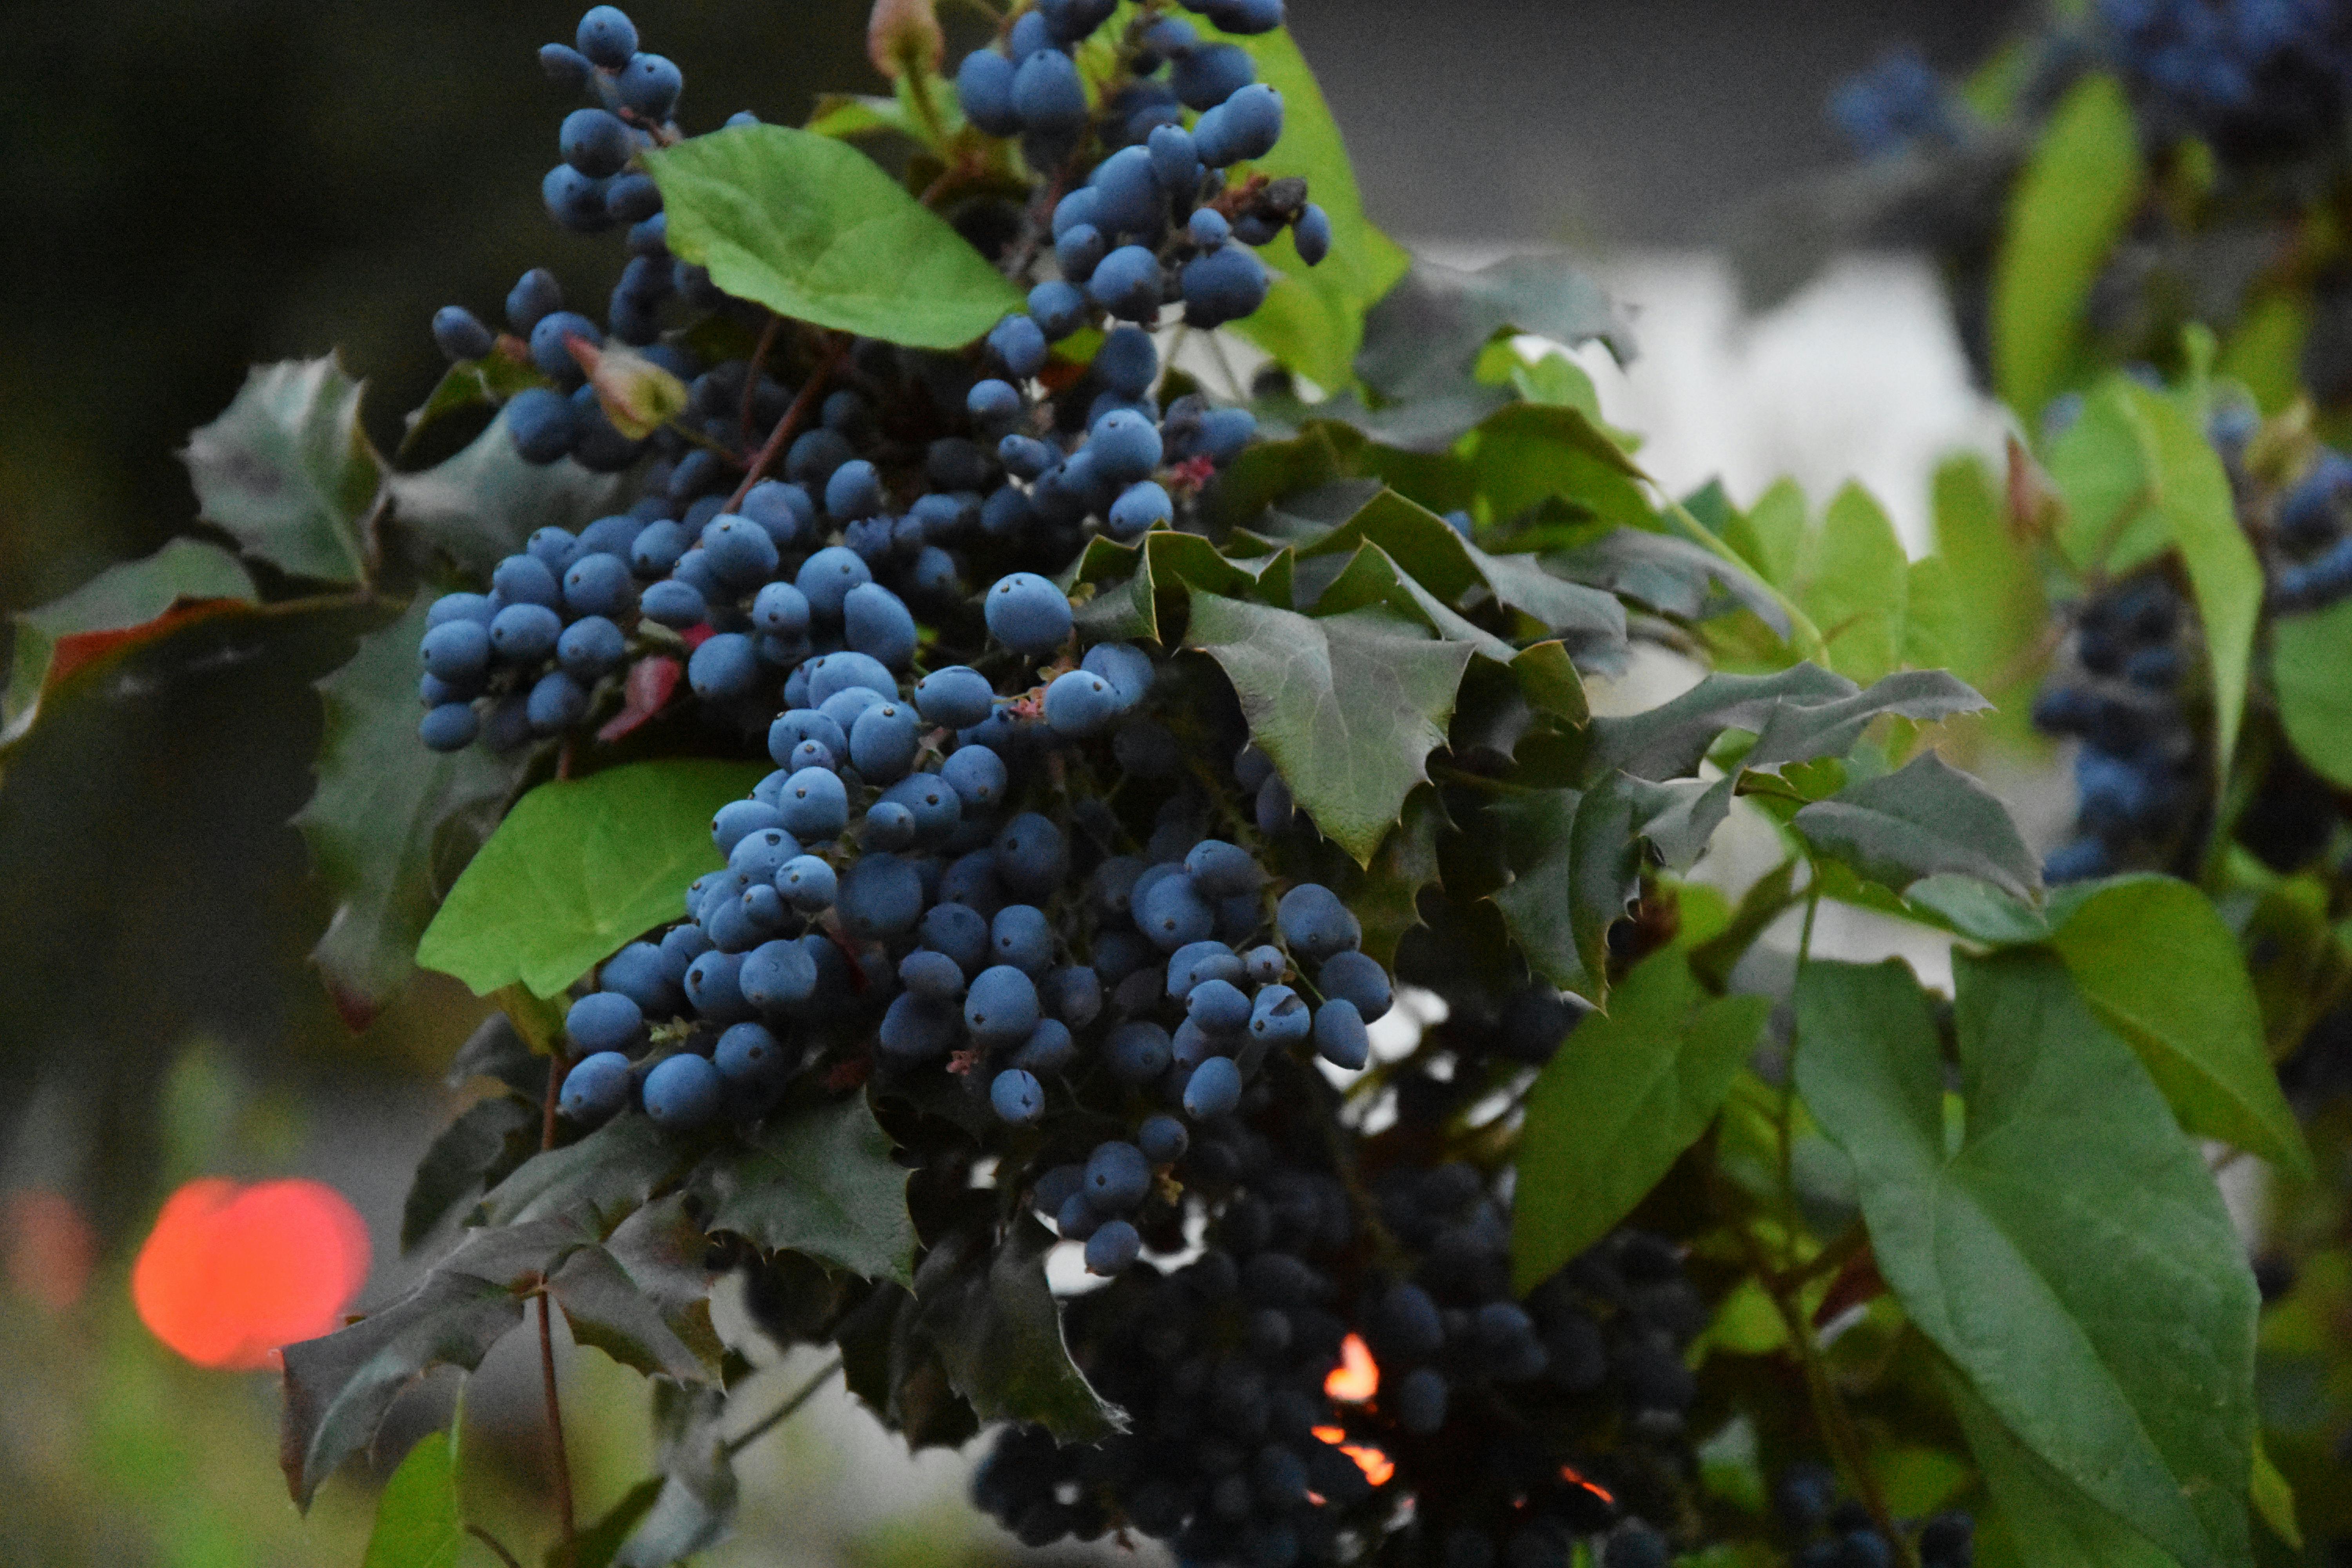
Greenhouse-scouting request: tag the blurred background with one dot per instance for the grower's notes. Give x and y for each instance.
(201, 185)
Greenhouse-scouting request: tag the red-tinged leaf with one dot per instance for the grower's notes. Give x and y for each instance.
(651, 681)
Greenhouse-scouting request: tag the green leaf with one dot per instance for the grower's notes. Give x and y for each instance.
(1549, 679)
(1388, 900)
(481, 505)
(814, 230)
(2046, 1521)
(2310, 668)
(287, 470)
(1529, 453)
(470, 383)
(592, 1185)
(1856, 581)
(487, 1142)
(2000, 610)
(388, 817)
(999, 1333)
(1313, 318)
(578, 869)
(1923, 819)
(1575, 860)
(1374, 577)
(1801, 732)
(2065, 214)
(2200, 519)
(821, 1183)
(1348, 706)
(1776, 528)
(127, 605)
(1668, 741)
(338, 1387)
(2101, 466)
(1423, 338)
(2072, 1255)
(416, 1523)
(2191, 1017)
(1626, 1094)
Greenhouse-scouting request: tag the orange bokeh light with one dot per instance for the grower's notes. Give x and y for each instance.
(1568, 1473)
(230, 1273)
(1377, 1467)
(1357, 1377)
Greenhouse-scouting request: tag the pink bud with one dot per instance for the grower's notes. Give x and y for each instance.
(904, 35)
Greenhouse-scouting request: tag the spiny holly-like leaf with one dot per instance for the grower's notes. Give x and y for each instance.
(1425, 335)
(1668, 741)
(1923, 819)
(480, 505)
(1856, 586)
(814, 230)
(2073, 1256)
(486, 1143)
(339, 1387)
(1372, 577)
(594, 1184)
(416, 1523)
(386, 815)
(578, 869)
(1313, 319)
(1801, 732)
(1348, 706)
(116, 611)
(1672, 576)
(287, 470)
(2309, 654)
(1387, 901)
(822, 1183)
(610, 1310)
(2191, 1015)
(998, 1331)
(1618, 1105)
(1574, 864)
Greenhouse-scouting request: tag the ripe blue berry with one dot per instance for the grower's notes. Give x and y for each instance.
(1027, 614)
(955, 698)
(1113, 1247)
(606, 36)
(596, 1088)
(683, 1092)
(449, 727)
(1001, 1005)
(1117, 1178)
(1128, 284)
(1018, 1097)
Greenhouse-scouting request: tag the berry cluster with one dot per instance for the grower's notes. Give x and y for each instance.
(2312, 549)
(2135, 770)
(2254, 77)
(1898, 103)
(1830, 1534)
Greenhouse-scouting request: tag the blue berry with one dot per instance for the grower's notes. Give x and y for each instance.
(1174, 913)
(1020, 344)
(1001, 1005)
(1218, 1007)
(880, 896)
(1021, 936)
(598, 585)
(777, 975)
(1027, 614)
(748, 1054)
(725, 669)
(876, 622)
(457, 651)
(1360, 980)
(1078, 251)
(883, 742)
(855, 490)
(917, 1029)
(848, 670)
(1421, 1401)
(550, 348)
(459, 334)
(525, 633)
(737, 551)
(1279, 1015)
(649, 86)
(596, 1086)
(557, 702)
(929, 973)
(1127, 362)
(1117, 1178)
(825, 579)
(683, 1092)
(1312, 234)
(535, 296)
(1059, 308)
(992, 402)
(808, 884)
(1048, 96)
(1113, 1247)
(814, 805)
(1139, 509)
(1315, 923)
(1125, 446)
(1138, 1052)
(1050, 1048)
(977, 775)
(565, 65)
(541, 424)
(1205, 76)
(1162, 1139)
(1222, 285)
(449, 727)
(1173, 158)
(1129, 282)
(1340, 1034)
(607, 37)
(1018, 1097)
(1078, 703)
(985, 89)
(595, 142)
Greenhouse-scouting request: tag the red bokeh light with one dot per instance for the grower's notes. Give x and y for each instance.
(229, 1274)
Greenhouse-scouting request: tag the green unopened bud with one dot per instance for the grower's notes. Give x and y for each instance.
(904, 36)
(636, 394)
